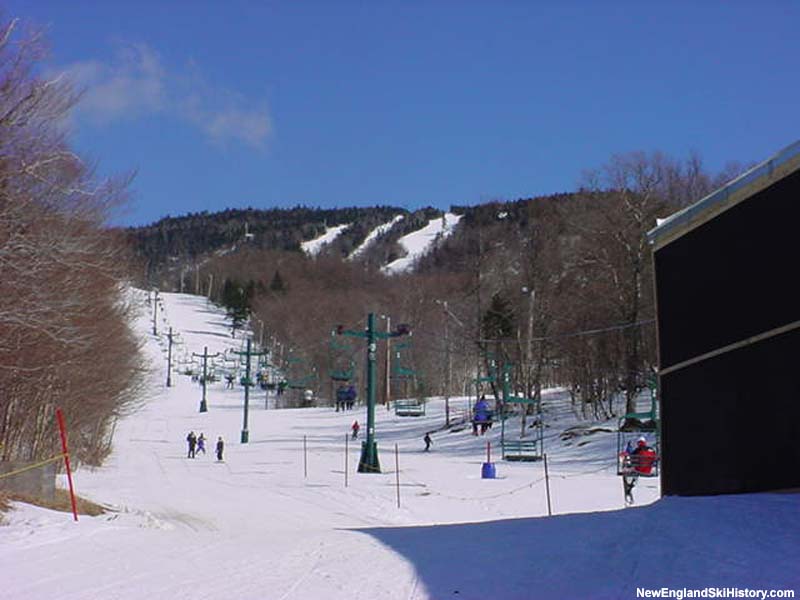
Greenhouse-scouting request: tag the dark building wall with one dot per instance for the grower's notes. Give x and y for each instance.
(731, 278)
(731, 423)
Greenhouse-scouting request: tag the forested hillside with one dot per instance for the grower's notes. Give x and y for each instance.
(188, 240)
(558, 288)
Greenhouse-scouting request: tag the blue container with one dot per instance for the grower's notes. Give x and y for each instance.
(488, 471)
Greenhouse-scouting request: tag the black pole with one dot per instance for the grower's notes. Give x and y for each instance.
(206, 356)
(369, 452)
(169, 358)
(368, 462)
(248, 353)
(203, 404)
(547, 487)
(449, 369)
(245, 432)
(397, 472)
(155, 315)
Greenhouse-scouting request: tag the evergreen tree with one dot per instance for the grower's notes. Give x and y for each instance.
(499, 320)
(236, 300)
(277, 285)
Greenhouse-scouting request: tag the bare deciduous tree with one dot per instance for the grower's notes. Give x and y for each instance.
(64, 339)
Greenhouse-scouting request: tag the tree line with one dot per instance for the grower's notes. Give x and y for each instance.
(191, 238)
(558, 288)
(64, 335)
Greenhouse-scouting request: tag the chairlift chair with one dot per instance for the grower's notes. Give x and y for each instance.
(527, 448)
(523, 448)
(633, 463)
(406, 407)
(340, 357)
(632, 427)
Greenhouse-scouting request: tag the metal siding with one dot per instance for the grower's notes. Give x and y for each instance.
(731, 278)
(732, 424)
(747, 184)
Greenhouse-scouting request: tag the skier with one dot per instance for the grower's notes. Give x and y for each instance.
(643, 457)
(428, 441)
(191, 439)
(355, 429)
(341, 398)
(350, 400)
(637, 461)
(201, 443)
(220, 448)
(480, 416)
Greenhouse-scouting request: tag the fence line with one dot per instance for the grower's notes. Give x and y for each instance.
(33, 466)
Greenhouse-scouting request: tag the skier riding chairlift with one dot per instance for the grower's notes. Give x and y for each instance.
(634, 463)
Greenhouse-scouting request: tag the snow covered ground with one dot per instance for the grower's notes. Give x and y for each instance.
(417, 243)
(271, 522)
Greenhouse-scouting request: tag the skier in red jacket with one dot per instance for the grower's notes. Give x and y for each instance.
(643, 457)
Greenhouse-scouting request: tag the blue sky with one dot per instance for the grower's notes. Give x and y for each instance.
(344, 103)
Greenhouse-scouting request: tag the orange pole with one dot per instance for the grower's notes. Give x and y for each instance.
(62, 429)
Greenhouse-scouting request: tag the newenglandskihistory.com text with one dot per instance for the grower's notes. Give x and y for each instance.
(712, 592)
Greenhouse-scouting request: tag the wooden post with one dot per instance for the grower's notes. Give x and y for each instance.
(397, 472)
(547, 487)
(169, 359)
(387, 391)
(62, 429)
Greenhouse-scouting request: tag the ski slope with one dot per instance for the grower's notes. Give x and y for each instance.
(374, 235)
(273, 523)
(418, 243)
(315, 246)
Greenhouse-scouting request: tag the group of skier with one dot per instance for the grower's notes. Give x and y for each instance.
(197, 444)
(345, 397)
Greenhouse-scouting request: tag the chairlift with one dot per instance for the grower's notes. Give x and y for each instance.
(401, 375)
(340, 359)
(299, 377)
(491, 379)
(526, 449)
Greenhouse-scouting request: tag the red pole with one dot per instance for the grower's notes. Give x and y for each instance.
(62, 429)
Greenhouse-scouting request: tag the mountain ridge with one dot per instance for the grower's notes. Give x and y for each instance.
(174, 243)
